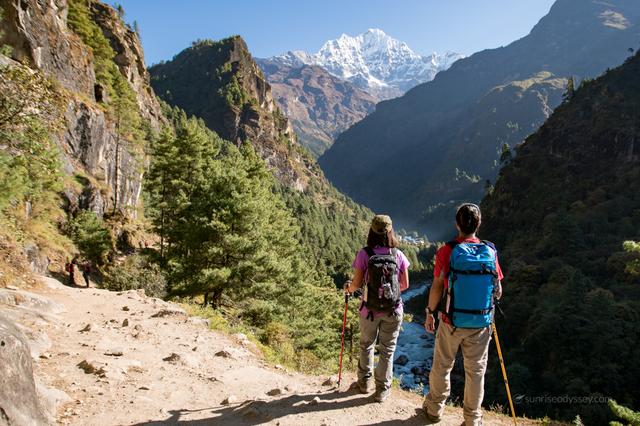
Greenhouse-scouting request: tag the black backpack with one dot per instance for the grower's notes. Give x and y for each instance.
(383, 287)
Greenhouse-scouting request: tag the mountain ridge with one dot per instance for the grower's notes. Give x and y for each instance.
(418, 129)
(560, 214)
(373, 61)
(239, 106)
(319, 105)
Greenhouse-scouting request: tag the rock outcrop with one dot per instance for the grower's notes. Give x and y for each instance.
(19, 399)
(130, 60)
(319, 105)
(236, 103)
(40, 38)
(38, 35)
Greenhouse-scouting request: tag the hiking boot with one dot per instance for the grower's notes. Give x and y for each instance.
(381, 395)
(361, 386)
(430, 417)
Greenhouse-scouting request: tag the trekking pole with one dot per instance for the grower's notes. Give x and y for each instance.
(504, 373)
(344, 325)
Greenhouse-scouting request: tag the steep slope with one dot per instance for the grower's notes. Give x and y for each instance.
(437, 128)
(40, 37)
(560, 212)
(375, 62)
(319, 105)
(221, 83)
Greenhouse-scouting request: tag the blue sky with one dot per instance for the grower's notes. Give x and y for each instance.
(271, 27)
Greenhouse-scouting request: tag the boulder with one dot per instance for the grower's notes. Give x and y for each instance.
(224, 354)
(31, 301)
(90, 366)
(38, 262)
(315, 401)
(19, 400)
(231, 399)
(174, 357)
(401, 360)
(275, 392)
(114, 352)
(331, 381)
(51, 399)
(170, 311)
(200, 322)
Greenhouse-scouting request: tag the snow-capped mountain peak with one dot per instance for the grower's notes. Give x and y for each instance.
(374, 61)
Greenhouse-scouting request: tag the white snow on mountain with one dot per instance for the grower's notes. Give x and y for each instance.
(375, 62)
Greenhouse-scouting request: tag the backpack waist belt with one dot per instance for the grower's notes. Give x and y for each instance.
(482, 272)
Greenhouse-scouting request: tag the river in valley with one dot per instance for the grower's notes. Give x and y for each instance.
(414, 353)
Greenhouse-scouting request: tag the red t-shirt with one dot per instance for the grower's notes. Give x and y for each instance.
(443, 258)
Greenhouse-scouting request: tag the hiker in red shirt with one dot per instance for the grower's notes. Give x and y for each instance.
(465, 327)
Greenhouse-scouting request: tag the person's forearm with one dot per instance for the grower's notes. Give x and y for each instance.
(354, 286)
(404, 280)
(435, 294)
(356, 281)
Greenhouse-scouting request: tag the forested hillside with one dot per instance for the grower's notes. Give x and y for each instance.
(565, 213)
(221, 83)
(420, 154)
(94, 169)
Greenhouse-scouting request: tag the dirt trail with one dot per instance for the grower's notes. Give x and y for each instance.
(143, 361)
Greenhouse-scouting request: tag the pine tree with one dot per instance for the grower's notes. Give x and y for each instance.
(124, 108)
(633, 267)
(570, 90)
(505, 154)
(631, 417)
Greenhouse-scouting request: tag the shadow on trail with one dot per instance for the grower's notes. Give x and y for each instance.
(260, 411)
(64, 279)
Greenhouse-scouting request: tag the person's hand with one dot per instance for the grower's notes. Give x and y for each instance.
(346, 286)
(430, 324)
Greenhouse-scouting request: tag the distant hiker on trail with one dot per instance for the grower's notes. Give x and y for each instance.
(86, 272)
(70, 268)
(467, 272)
(384, 270)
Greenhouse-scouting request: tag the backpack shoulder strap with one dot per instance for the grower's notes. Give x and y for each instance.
(394, 251)
(369, 251)
(489, 243)
(453, 243)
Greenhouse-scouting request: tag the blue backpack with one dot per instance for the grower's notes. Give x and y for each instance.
(472, 278)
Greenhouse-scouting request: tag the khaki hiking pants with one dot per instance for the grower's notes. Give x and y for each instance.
(387, 328)
(475, 350)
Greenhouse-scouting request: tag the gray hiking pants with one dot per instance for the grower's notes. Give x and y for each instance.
(475, 349)
(387, 328)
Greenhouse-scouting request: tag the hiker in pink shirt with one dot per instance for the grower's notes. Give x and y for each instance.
(384, 272)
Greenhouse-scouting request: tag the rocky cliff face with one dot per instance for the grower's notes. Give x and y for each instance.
(39, 35)
(319, 105)
(221, 83)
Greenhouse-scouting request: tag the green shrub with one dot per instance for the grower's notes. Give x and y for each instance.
(631, 417)
(136, 272)
(91, 236)
(4, 49)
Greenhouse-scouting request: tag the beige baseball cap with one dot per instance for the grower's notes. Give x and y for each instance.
(381, 224)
